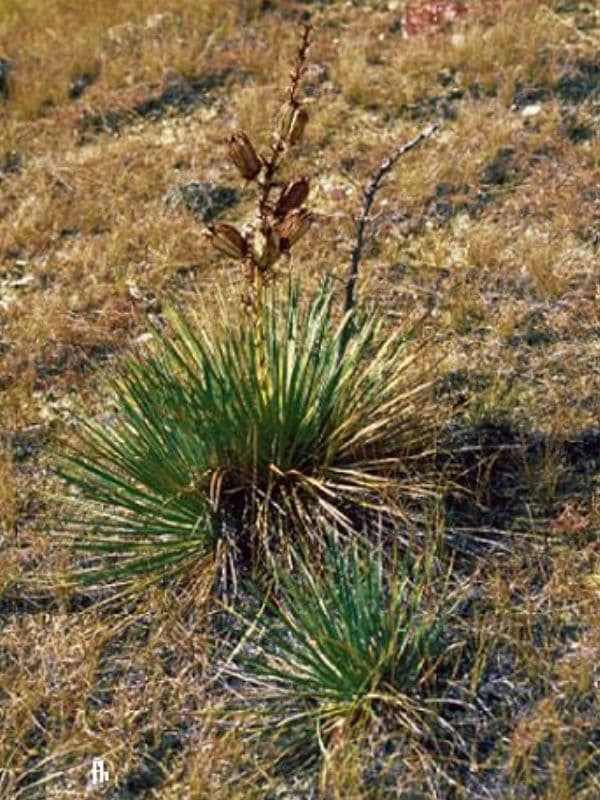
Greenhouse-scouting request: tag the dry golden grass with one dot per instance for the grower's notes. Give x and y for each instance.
(493, 225)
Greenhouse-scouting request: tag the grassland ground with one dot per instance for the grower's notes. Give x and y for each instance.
(112, 121)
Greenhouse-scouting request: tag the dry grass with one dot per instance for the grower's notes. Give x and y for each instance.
(493, 226)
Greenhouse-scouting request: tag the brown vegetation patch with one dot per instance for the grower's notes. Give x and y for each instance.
(492, 228)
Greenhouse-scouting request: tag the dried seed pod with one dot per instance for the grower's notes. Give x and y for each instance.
(227, 239)
(265, 247)
(243, 155)
(297, 125)
(294, 226)
(285, 120)
(294, 194)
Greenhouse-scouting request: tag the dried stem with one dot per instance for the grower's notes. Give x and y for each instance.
(279, 146)
(368, 198)
(282, 140)
(279, 224)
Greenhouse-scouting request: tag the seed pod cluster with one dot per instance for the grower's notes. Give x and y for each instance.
(273, 237)
(281, 218)
(281, 223)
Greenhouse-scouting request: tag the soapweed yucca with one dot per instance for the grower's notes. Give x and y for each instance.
(349, 647)
(234, 437)
(215, 446)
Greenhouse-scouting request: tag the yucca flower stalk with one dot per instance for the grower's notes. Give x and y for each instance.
(279, 223)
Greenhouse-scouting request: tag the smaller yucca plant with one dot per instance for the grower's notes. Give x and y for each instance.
(351, 646)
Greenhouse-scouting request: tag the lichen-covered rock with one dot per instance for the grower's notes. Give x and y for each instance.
(203, 199)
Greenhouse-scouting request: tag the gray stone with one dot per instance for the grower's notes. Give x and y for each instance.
(204, 200)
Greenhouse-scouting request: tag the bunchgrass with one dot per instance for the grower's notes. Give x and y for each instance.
(215, 446)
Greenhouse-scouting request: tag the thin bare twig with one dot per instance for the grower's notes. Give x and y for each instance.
(368, 198)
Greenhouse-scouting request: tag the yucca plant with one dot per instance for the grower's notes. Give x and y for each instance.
(340, 650)
(230, 440)
(215, 447)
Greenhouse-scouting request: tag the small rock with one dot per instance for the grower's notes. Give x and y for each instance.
(203, 199)
(79, 84)
(143, 298)
(135, 293)
(154, 21)
(11, 164)
(531, 110)
(157, 321)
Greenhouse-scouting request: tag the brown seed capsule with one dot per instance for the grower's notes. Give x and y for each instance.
(292, 197)
(298, 124)
(294, 226)
(285, 120)
(227, 239)
(265, 247)
(244, 156)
